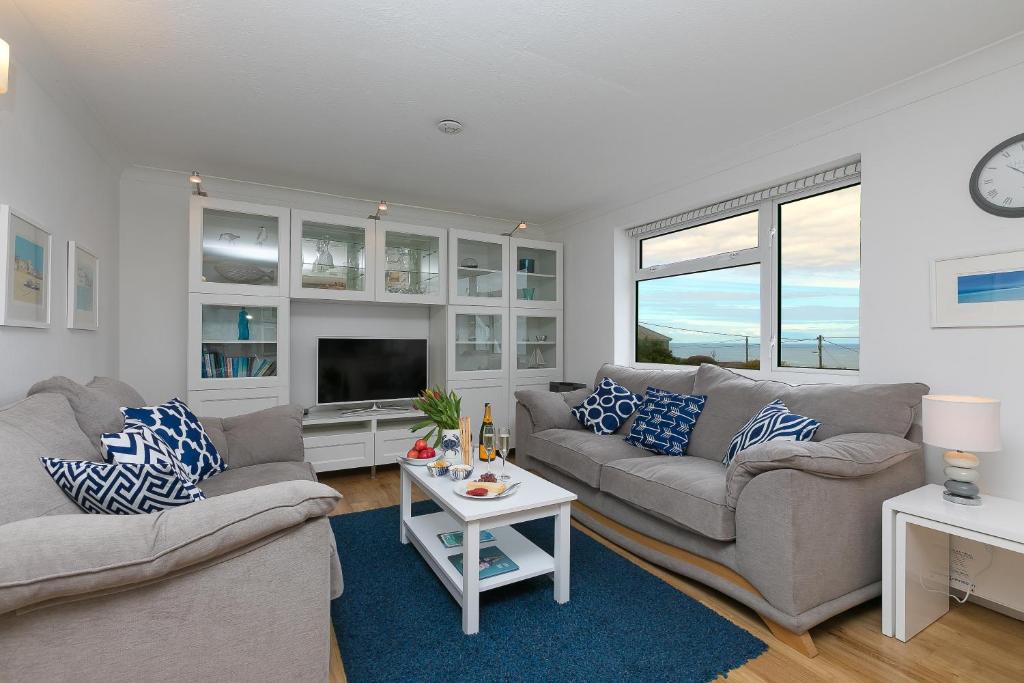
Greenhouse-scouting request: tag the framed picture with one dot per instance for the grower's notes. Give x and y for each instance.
(978, 291)
(25, 270)
(83, 288)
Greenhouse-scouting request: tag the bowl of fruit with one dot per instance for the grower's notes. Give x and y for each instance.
(420, 454)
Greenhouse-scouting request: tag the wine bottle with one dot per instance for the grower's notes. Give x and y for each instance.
(487, 436)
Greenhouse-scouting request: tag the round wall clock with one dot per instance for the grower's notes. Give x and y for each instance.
(997, 184)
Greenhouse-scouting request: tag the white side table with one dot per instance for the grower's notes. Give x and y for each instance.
(916, 528)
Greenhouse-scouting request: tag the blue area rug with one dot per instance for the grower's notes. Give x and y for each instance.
(396, 622)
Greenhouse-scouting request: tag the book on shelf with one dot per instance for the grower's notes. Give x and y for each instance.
(453, 539)
(493, 562)
(218, 366)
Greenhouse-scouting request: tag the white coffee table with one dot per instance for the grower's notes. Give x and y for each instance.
(535, 498)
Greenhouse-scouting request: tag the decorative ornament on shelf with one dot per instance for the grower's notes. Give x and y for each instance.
(243, 324)
(962, 423)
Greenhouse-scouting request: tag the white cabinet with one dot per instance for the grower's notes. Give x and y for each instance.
(476, 343)
(230, 402)
(237, 247)
(333, 257)
(411, 264)
(475, 393)
(536, 273)
(237, 343)
(536, 343)
(478, 269)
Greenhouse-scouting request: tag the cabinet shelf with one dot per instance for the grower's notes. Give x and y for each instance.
(477, 271)
(523, 272)
(237, 341)
(537, 343)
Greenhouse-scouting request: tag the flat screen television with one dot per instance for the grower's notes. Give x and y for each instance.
(351, 370)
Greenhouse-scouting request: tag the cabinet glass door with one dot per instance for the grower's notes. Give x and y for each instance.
(412, 264)
(478, 272)
(537, 338)
(537, 271)
(333, 257)
(478, 343)
(239, 341)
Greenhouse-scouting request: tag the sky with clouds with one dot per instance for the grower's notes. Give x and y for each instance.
(820, 256)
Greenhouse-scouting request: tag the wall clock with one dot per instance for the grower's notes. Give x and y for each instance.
(997, 184)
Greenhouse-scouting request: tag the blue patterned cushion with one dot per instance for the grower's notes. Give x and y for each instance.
(180, 429)
(772, 422)
(605, 410)
(664, 422)
(120, 488)
(141, 446)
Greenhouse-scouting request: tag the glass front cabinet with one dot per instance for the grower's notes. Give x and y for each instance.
(477, 345)
(237, 342)
(537, 273)
(411, 263)
(537, 343)
(478, 269)
(237, 247)
(332, 257)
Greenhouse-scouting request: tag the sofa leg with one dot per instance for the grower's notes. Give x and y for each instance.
(801, 642)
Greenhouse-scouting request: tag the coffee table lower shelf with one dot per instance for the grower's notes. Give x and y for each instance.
(423, 531)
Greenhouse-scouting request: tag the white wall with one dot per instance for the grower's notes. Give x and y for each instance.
(919, 143)
(52, 170)
(154, 253)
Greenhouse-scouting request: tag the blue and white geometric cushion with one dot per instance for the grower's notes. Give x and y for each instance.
(664, 422)
(180, 429)
(771, 423)
(141, 446)
(119, 489)
(608, 408)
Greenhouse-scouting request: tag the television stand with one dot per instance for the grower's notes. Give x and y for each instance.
(340, 439)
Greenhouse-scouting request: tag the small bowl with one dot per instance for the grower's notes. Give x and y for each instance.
(458, 472)
(540, 337)
(435, 471)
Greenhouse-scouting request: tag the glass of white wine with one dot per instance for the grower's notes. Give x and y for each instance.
(487, 441)
(504, 437)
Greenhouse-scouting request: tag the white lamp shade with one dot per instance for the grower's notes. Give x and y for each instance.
(963, 423)
(5, 65)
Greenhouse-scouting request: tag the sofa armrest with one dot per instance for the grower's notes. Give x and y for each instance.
(271, 435)
(45, 558)
(845, 456)
(550, 410)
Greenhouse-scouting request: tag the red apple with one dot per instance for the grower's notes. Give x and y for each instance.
(428, 452)
(420, 444)
(412, 454)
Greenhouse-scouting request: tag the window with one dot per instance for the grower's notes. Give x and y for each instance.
(819, 281)
(782, 263)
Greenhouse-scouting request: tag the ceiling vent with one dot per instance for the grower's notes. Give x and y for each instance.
(449, 127)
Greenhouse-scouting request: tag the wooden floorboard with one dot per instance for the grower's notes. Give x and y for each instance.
(971, 643)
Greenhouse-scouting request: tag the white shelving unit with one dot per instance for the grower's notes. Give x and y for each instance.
(411, 264)
(536, 273)
(343, 439)
(237, 247)
(333, 257)
(478, 269)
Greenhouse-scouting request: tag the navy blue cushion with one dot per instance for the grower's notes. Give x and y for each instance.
(180, 429)
(773, 422)
(664, 422)
(120, 488)
(608, 408)
(141, 446)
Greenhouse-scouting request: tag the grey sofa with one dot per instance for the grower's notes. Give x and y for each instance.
(793, 530)
(235, 587)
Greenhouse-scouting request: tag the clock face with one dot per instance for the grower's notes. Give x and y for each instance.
(997, 184)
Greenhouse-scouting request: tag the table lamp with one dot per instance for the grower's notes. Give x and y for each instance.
(962, 424)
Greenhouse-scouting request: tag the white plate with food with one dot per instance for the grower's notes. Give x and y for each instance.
(485, 490)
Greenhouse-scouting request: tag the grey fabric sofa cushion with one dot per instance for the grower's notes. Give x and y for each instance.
(580, 453)
(687, 491)
(271, 435)
(59, 556)
(678, 381)
(842, 457)
(241, 478)
(37, 427)
(97, 405)
(549, 410)
(842, 409)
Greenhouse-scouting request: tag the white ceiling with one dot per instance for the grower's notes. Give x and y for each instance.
(567, 105)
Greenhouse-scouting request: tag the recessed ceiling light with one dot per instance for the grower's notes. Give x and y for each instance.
(449, 127)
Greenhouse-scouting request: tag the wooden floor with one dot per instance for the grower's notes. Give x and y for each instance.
(970, 643)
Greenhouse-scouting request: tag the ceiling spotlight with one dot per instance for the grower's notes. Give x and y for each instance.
(197, 181)
(521, 226)
(5, 65)
(382, 207)
(449, 127)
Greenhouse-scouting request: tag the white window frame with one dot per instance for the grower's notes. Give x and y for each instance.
(766, 254)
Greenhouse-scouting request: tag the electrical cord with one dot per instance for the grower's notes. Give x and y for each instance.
(970, 585)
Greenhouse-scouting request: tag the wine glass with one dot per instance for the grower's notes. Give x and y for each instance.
(487, 441)
(504, 436)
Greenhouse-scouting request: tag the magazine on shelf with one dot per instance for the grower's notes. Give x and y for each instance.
(493, 562)
(453, 539)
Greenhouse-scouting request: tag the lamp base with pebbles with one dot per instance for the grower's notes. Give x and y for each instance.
(962, 472)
